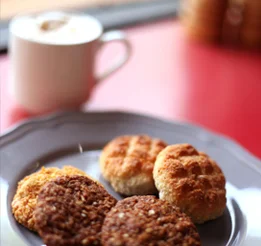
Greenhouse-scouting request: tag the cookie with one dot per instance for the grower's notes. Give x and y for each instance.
(70, 211)
(192, 181)
(146, 220)
(127, 163)
(25, 199)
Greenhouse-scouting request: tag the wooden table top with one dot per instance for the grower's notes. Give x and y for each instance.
(171, 77)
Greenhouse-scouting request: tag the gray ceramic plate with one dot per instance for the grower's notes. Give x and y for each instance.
(55, 141)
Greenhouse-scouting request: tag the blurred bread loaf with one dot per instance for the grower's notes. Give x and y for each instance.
(203, 19)
(233, 22)
(250, 34)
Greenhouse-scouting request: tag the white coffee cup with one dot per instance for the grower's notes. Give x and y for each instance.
(53, 59)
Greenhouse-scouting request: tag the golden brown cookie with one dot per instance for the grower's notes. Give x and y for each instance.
(25, 199)
(192, 181)
(146, 220)
(70, 211)
(127, 163)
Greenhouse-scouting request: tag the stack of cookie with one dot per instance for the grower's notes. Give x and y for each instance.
(25, 199)
(65, 206)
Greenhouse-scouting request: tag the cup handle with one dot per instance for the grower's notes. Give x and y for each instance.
(118, 62)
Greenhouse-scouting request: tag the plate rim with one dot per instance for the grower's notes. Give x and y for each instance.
(65, 118)
(32, 124)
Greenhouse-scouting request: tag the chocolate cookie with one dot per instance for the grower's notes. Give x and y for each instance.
(146, 220)
(70, 211)
(25, 199)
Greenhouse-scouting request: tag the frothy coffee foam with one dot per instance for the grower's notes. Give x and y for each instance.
(56, 28)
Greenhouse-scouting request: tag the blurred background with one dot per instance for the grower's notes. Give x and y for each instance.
(9, 8)
(112, 13)
(236, 22)
(196, 61)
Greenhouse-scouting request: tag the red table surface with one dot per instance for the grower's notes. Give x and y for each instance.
(171, 77)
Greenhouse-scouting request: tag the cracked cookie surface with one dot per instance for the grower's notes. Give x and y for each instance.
(127, 163)
(192, 181)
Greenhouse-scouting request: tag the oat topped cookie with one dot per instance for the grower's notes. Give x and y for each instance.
(146, 220)
(25, 199)
(127, 163)
(70, 211)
